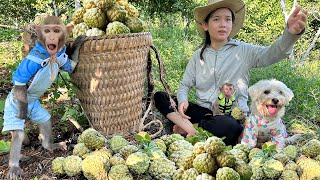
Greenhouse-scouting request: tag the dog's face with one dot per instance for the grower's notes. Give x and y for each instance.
(269, 98)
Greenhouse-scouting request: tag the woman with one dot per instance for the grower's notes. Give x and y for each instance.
(221, 60)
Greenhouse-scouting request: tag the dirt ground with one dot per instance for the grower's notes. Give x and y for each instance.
(36, 163)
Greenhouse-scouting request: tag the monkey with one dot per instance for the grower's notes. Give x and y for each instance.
(225, 101)
(33, 76)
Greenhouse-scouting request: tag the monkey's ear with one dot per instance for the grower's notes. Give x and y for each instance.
(69, 27)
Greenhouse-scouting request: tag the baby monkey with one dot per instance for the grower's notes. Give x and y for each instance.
(225, 102)
(34, 75)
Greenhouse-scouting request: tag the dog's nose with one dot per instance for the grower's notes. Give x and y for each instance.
(275, 100)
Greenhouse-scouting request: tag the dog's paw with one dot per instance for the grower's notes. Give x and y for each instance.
(293, 139)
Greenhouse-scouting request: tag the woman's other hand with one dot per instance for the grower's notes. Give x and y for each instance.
(297, 20)
(183, 108)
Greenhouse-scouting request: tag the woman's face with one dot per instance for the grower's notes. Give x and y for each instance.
(219, 25)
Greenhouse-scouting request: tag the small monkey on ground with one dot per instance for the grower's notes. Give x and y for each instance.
(34, 75)
(225, 101)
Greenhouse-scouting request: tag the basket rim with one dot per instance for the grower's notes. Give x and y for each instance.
(113, 36)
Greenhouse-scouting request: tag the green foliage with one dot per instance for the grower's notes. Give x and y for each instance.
(145, 141)
(14, 12)
(268, 150)
(167, 7)
(8, 34)
(4, 147)
(201, 136)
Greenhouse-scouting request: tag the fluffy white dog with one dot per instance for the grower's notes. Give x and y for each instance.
(268, 101)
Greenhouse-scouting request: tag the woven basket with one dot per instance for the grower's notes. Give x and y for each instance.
(110, 75)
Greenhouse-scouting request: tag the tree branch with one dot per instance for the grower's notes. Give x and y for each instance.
(310, 46)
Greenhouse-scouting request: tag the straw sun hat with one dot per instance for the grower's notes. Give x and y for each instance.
(236, 6)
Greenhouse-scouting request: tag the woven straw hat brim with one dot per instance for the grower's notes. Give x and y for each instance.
(237, 6)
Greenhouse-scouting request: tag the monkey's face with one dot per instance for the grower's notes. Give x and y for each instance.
(227, 90)
(53, 37)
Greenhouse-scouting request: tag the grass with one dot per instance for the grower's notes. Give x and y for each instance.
(176, 48)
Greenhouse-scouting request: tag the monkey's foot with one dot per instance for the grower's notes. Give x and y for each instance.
(178, 130)
(56, 146)
(62, 146)
(14, 172)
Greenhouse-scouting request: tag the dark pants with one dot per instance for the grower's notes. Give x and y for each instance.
(220, 126)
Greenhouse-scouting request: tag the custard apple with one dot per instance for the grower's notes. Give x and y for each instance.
(283, 158)
(160, 144)
(237, 113)
(138, 162)
(132, 11)
(291, 151)
(244, 170)
(92, 139)
(204, 163)
(225, 159)
(79, 29)
(308, 168)
(120, 172)
(117, 28)
(162, 168)
(134, 24)
(178, 174)
(57, 166)
(95, 32)
(126, 150)
(117, 159)
(101, 4)
(272, 169)
(80, 150)
(116, 13)
(117, 142)
(289, 175)
(254, 152)
(179, 145)
(256, 162)
(183, 158)
(77, 16)
(95, 167)
(72, 165)
(311, 148)
(156, 154)
(204, 176)
(198, 148)
(214, 145)
(291, 165)
(237, 153)
(242, 147)
(94, 18)
(226, 173)
(190, 174)
(122, 3)
(168, 139)
(257, 173)
(104, 152)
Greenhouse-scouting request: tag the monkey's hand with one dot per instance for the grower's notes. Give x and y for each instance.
(20, 92)
(74, 50)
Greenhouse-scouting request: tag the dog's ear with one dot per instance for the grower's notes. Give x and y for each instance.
(253, 92)
(288, 93)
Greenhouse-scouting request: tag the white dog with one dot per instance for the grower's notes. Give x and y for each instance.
(268, 101)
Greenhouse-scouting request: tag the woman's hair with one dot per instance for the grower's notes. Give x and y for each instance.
(207, 40)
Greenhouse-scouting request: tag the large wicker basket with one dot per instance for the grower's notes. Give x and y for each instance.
(110, 75)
